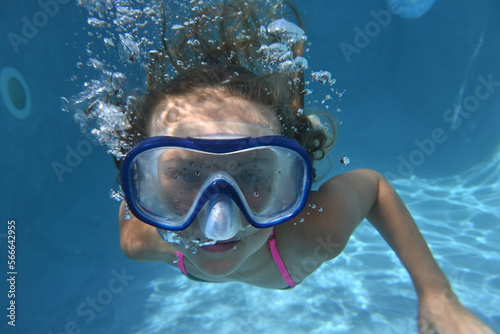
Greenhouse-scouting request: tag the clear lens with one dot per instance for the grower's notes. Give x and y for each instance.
(181, 173)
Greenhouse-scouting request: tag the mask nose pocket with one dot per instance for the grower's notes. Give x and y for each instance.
(220, 218)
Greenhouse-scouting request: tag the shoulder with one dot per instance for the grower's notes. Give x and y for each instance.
(334, 211)
(358, 179)
(345, 192)
(141, 242)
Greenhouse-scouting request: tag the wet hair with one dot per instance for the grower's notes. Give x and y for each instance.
(216, 55)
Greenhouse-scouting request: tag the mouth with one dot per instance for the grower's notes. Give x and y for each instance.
(222, 246)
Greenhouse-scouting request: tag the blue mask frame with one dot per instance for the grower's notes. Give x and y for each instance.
(219, 185)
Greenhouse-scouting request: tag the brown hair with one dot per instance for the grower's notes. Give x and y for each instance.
(217, 52)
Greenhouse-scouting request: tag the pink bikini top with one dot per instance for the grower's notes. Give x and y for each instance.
(274, 252)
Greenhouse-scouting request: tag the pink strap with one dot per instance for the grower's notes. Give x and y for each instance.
(279, 262)
(180, 262)
(274, 252)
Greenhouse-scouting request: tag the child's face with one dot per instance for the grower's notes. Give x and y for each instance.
(224, 257)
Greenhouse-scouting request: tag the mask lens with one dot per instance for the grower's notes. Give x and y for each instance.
(147, 188)
(182, 173)
(180, 178)
(169, 185)
(283, 192)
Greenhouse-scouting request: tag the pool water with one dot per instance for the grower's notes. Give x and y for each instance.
(418, 100)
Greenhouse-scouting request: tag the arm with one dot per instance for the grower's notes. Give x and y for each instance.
(440, 311)
(141, 242)
(391, 218)
(366, 193)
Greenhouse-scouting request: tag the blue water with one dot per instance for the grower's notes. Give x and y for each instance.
(398, 116)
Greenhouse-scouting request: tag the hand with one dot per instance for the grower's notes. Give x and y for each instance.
(444, 314)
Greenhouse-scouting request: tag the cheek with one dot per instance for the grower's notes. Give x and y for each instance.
(255, 238)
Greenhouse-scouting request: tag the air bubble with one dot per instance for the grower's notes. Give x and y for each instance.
(323, 77)
(116, 195)
(302, 220)
(109, 42)
(345, 161)
(129, 50)
(127, 212)
(328, 97)
(96, 64)
(300, 63)
(286, 31)
(177, 27)
(97, 23)
(193, 42)
(256, 193)
(64, 104)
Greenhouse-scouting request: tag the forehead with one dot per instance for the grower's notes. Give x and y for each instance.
(175, 111)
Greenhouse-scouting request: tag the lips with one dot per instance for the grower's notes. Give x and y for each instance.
(220, 246)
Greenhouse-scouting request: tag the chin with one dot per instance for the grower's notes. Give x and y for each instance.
(218, 266)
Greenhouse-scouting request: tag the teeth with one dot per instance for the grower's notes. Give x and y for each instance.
(227, 242)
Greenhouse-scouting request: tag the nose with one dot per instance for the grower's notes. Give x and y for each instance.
(220, 218)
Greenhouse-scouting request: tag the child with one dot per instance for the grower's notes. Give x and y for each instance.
(221, 169)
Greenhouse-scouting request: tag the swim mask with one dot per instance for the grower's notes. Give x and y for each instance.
(215, 177)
